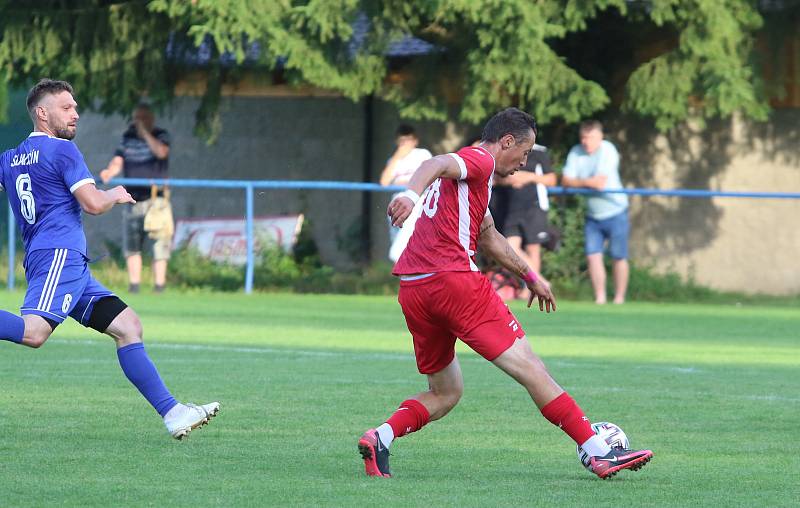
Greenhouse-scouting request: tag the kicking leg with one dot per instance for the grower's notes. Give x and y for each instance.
(111, 316)
(522, 364)
(444, 391)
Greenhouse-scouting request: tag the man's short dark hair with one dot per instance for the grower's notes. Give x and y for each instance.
(509, 121)
(45, 86)
(144, 105)
(590, 125)
(405, 130)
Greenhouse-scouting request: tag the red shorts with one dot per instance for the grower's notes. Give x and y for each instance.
(450, 305)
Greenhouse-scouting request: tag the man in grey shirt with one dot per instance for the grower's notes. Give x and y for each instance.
(594, 164)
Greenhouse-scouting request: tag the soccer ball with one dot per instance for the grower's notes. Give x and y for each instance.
(612, 434)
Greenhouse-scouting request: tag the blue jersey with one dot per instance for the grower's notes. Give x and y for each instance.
(39, 177)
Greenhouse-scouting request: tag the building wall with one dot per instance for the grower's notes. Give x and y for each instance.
(261, 139)
(729, 244)
(269, 138)
(735, 244)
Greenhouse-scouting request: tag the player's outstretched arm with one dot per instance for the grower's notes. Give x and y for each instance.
(96, 202)
(441, 166)
(494, 244)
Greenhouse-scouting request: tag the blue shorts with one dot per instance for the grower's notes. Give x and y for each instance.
(60, 285)
(614, 229)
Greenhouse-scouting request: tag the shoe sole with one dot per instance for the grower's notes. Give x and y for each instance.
(367, 451)
(182, 433)
(633, 465)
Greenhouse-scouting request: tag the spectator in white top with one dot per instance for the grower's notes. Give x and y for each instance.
(398, 171)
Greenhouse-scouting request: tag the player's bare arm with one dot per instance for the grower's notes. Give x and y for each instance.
(96, 202)
(441, 166)
(494, 244)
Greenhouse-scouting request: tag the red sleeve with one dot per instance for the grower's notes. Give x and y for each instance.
(478, 162)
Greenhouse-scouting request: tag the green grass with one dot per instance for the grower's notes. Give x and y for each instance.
(713, 390)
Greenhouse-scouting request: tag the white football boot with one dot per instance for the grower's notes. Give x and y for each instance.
(183, 418)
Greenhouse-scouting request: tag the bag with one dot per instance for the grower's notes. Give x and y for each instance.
(158, 221)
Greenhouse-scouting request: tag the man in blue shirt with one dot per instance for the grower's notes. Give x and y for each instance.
(48, 185)
(594, 164)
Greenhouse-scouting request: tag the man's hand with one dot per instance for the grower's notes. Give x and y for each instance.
(404, 147)
(141, 130)
(399, 210)
(120, 195)
(541, 290)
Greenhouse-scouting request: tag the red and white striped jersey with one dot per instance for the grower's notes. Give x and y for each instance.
(445, 236)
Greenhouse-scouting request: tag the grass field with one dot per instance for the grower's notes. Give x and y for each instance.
(713, 390)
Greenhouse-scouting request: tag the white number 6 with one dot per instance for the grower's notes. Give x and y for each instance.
(26, 204)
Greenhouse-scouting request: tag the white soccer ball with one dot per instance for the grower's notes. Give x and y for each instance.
(612, 434)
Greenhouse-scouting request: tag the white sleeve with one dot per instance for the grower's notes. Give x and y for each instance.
(80, 183)
(461, 164)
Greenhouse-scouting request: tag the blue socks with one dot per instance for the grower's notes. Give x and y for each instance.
(140, 371)
(12, 327)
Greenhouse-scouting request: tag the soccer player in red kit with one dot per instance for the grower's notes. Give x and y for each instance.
(444, 297)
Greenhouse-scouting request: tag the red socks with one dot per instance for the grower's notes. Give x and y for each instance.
(561, 411)
(565, 413)
(409, 417)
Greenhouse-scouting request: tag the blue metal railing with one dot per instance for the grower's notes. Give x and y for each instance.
(249, 186)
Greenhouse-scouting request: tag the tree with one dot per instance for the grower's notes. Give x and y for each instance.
(487, 54)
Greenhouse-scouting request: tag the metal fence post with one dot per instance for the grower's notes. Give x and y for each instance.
(248, 278)
(12, 247)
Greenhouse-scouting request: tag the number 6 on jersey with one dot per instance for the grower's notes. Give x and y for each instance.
(26, 203)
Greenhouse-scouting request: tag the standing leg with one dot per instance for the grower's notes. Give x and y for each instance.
(597, 274)
(444, 391)
(134, 264)
(594, 238)
(618, 248)
(162, 248)
(132, 240)
(534, 252)
(516, 244)
(621, 274)
(160, 274)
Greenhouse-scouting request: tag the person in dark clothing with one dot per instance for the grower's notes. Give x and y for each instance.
(142, 153)
(521, 206)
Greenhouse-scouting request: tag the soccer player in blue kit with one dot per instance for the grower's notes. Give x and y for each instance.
(48, 184)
